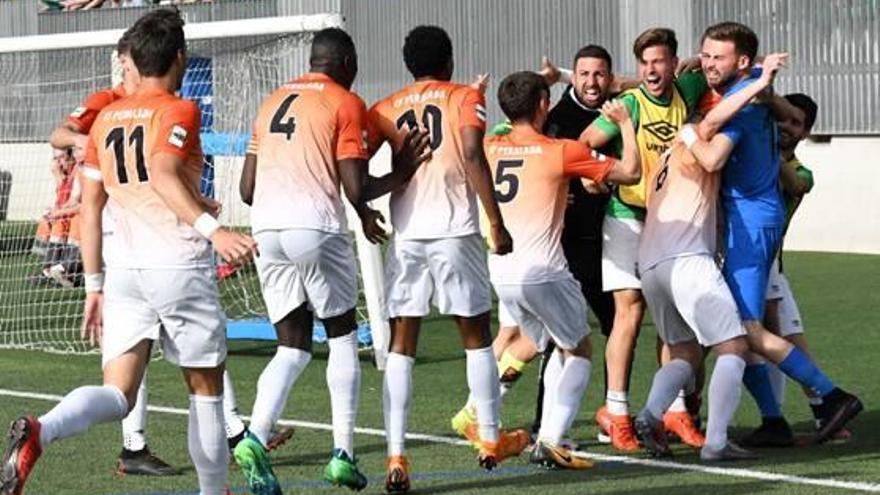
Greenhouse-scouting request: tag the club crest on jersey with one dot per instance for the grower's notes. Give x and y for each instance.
(177, 137)
(78, 112)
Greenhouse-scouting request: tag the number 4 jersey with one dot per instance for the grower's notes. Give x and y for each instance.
(123, 142)
(437, 201)
(531, 173)
(301, 132)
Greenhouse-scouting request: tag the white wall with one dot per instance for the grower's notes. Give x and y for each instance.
(842, 213)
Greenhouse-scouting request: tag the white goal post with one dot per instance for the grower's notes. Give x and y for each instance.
(233, 66)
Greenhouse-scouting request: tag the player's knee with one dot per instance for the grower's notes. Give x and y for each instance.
(689, 351)
(205, 381)
(295, 329)
(584, 349)
(474, 330)
(340, 326)
(738, 346)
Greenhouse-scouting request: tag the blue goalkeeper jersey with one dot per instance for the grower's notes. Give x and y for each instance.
(750, 179)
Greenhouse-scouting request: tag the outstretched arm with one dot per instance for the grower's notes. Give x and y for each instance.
(727, 108)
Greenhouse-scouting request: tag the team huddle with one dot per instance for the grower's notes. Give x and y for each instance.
(670, 192)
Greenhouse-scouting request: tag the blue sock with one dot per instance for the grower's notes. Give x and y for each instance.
(799, 367)
(757, 381)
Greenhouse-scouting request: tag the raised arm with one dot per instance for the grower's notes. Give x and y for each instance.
(627, 170)
(727, 108)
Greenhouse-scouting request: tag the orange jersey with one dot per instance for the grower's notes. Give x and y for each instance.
(122, 143)
(531, 174)
(437, 201)
(300, 134)
(83, 117)
(682, 209)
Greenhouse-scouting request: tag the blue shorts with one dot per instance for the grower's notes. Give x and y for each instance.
(750, 254)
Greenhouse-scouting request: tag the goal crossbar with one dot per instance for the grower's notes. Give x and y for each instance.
(196, 31)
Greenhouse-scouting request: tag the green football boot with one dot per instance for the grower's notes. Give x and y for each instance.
(253, 459)
(343, 471)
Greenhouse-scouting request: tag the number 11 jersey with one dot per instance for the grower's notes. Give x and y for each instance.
(123, 141)
(437, 202)
(300, 134)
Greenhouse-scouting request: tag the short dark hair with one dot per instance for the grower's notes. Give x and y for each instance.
(807, 105)
(155, 39)
(332, 45)
(520, 93)
(123, 46)
(593, 51)
(427, 51)
(655, 37)
(744, 40)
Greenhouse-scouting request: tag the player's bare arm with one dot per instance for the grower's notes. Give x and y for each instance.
(353, 174)
(477, 170)
(727, 108)
(168, 183)
(248, 179)
(67, 136)
(413, 153)
(594, 137)
(628, 170)
(94, 197)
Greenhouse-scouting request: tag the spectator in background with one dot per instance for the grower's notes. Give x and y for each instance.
(53, 227)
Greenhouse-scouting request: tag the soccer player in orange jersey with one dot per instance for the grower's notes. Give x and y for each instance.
(437, 253)
(144, 154)
(532, 173)
(308, 139)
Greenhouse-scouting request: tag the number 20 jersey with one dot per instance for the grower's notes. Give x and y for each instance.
(301, 132)
(438, 201)
(123, 141)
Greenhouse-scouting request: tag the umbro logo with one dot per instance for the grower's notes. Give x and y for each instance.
(662, 130)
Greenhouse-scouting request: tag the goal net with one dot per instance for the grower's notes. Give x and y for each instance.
(232, 66)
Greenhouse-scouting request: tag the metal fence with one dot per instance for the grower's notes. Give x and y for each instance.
(835, 44)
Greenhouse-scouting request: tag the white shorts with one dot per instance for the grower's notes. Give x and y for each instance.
(180, 308)
(450, 272)
(779, 289)
(620, 253)
(550, 310)
(689, 299)
(505, 319)
(306, 266)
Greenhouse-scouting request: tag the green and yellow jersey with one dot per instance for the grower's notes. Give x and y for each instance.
(656, 121)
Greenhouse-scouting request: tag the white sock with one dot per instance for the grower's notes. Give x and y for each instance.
(396, 393)
(135, 424)
(777, 382)
(80, 410)
(273, 387)
(551, 379)
(482, 378)
(233, 422)
(207, 443)
(344, 383)
(617, 403)
(724, 392)
(570, 388)
(668, 380)
(678, 404)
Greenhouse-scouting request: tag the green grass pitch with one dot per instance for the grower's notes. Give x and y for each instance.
(838, 295)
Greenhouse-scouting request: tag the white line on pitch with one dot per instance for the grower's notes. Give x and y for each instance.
(652, 463)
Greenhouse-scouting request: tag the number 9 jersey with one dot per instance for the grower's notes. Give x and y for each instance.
(125, 137)
(438, 201)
